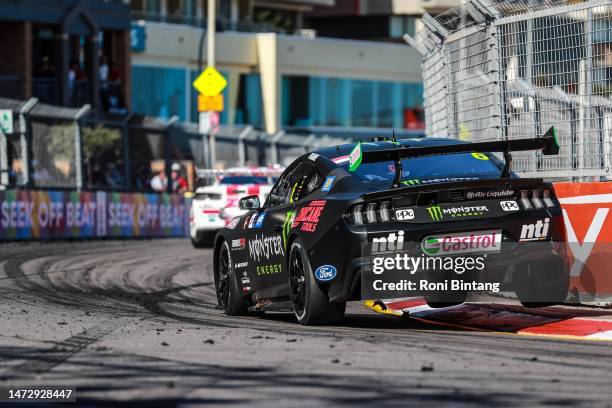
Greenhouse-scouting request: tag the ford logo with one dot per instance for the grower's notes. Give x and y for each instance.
(325, 273)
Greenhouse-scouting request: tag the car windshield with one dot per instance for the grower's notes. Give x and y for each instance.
(243, 180)
(462, 166)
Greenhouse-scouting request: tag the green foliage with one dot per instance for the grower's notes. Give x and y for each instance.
(101, 140)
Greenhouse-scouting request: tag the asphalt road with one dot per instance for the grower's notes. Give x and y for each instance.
(137, 321)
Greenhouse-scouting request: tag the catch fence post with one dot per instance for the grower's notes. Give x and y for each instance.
(274, 146)
(24, 140)
(241, 145)
(78, 146)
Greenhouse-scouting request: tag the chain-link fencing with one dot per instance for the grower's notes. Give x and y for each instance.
(510, 69)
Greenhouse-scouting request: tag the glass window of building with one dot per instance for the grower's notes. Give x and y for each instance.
(317, 101)
(159, 91)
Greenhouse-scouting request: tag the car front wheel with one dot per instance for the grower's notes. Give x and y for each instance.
(311, 304)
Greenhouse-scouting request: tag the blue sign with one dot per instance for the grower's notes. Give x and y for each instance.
(138, 37)
(325, 273)
(327, 185)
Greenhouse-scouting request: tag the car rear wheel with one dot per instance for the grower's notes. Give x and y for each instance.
(540, 284)
(228, 293)
(311, 304)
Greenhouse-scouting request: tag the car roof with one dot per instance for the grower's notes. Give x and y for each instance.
(344, 149)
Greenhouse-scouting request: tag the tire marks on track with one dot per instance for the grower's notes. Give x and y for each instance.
(44, 360)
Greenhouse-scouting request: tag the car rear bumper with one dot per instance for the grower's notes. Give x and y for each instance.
(499, 267)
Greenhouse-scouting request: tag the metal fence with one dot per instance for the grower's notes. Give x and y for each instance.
(56, 147)
(509, 69)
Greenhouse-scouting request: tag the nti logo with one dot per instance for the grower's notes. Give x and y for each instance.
(462, 243)
(392, 242)
(535, 232)
(435, 212)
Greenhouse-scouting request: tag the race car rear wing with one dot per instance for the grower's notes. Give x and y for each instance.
(547, 143)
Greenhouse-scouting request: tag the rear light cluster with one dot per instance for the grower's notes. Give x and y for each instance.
(370, 213)
(536, 199)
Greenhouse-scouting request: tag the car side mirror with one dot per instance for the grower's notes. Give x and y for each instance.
(249, 203)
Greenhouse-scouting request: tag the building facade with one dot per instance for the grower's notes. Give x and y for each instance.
(281, 74)
(65, 52)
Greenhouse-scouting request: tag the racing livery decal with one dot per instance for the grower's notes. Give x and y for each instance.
(262, 247)
(509, 206)
(462, 243)
(489, 194)
(437, 213)
(260, 220)
(325, 273)
(232, 224)
(415, 182)
(308, 218)
(536, 231)
(327, 184)
(269, 269)
(238, 244)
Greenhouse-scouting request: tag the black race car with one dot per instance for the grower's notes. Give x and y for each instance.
(303, 249)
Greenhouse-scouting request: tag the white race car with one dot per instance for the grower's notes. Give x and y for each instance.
(214, 206)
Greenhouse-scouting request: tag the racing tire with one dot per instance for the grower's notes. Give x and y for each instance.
(446, 299)
(541, 284)
(230, 300)
(311, 305)
(449, 298)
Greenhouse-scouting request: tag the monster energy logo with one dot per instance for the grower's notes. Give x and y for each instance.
(411, 182)
(287, 226)
(435, 212)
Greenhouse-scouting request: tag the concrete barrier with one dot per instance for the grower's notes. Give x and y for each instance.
(28, 214)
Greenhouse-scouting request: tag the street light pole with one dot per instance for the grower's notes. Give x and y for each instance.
(210, 62)
(210, 35)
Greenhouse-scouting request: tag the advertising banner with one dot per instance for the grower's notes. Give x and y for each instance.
(69, 214)
(587, 211)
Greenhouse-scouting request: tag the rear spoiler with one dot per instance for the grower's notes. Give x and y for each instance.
(547, 143)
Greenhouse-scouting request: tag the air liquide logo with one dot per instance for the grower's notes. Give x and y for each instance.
(392, 242)
(535, 232)
(462, 243)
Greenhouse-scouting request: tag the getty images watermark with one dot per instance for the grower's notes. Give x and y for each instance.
(434, 265)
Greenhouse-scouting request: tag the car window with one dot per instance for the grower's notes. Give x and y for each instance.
(310, 180)
(282, 188)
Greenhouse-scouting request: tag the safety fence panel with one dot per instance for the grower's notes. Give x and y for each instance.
(507, 69)
(55, 146)
(53, 214)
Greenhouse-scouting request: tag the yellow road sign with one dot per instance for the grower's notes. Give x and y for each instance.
(210, 103)
(210, 82)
